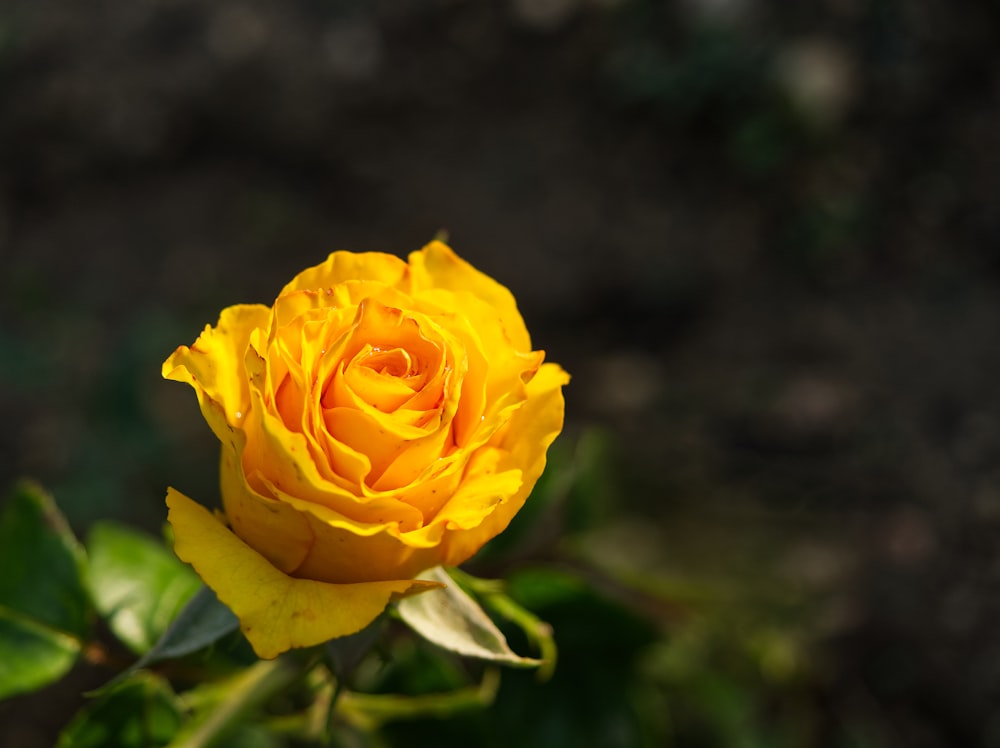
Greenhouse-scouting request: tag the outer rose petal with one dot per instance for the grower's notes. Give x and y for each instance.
(213, 365)
(536, 425)
(278, 532)
(276, 611)
(531, 430)
(437, 266)
(341, 267)
(311, 541)
(343, 552)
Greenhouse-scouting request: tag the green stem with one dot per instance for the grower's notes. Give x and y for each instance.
(370, 711)
(331, 709)
(244, 694)
(537, 630)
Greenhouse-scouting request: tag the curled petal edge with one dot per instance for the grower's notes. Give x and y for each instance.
(276, 612)
(212, 366)
(532, 430)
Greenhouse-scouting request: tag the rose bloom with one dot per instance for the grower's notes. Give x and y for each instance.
(381, 418)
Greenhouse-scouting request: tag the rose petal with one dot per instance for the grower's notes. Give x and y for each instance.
(532, 428)
(496, 370)
(535, 426)
(341, 267)
(480, 494)
(283, 458)
(277, 531)
(437, 266)
(277, 612)
(351, 552)
(213, 365)
(380, 387)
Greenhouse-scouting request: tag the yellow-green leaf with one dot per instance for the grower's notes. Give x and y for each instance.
(451, 619)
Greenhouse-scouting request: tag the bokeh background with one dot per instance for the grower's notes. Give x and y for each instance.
(762, 236)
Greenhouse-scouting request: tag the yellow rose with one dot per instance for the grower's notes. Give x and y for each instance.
(381, 418)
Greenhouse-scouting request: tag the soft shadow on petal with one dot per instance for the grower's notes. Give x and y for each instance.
(277, 531)
(277, 612)
(346, 551)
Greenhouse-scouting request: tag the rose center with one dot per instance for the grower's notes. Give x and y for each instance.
(394, 362)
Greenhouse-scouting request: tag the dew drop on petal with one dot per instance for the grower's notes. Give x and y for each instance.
(239, 414)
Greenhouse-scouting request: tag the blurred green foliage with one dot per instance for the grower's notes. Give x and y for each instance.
(45, 615)
(140, 712)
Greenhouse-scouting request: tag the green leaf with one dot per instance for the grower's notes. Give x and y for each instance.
(141, 712)
(491, 593)
(44, 607)
(451, 619)
(203, 621)
(138, 584)
(32, 655)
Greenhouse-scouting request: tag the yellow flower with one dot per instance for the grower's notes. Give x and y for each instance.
(381, 418)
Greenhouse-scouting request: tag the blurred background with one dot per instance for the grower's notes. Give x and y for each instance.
(763, 237)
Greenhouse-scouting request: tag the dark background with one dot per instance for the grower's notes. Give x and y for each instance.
(763, 237)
